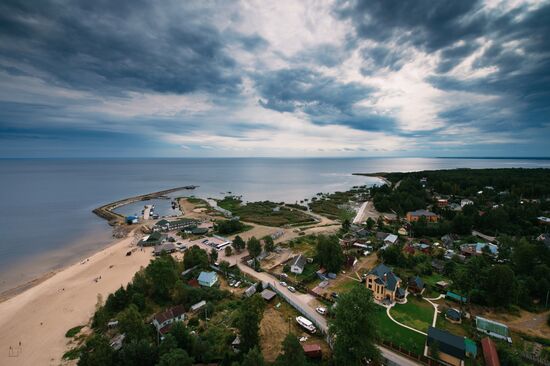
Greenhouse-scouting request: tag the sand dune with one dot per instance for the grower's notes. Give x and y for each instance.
(40, 316)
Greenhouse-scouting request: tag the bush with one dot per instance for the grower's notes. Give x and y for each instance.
(73, 331)
(228, 227)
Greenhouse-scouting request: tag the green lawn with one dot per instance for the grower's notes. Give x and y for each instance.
(263, 213)
(416, 313)
(346, 286)
(398, 335)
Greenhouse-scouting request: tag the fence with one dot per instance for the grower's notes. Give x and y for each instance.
(413, 356)
(322, 327)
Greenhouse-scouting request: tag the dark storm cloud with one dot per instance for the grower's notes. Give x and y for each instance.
(288, 90)
(513, 45)
(119, 45)
(432, 24)
(324, 99)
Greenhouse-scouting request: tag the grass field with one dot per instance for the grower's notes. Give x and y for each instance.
(416, 313)
(265, 213)
(398, 335)
(334, 205)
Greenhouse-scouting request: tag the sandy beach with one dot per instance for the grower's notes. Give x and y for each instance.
(33, 323)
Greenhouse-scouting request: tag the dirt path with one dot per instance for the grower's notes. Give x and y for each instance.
(533, 324)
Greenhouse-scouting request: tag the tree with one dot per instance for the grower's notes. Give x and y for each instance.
(269, 244)
(329, 253)
(354, 328)
(228, 251)
(131, 323)
(163, 274)
(183, 338)
(97, 352)
(253, 358)
(346, 224)
(224, 267)
(138, 353)
(213, 255)
(238, 244)
(370, 223)
(249, 328)
(227, 227)
(195, 256)
(293, 354)
(500, 285)
(254, 248)
(176, 357)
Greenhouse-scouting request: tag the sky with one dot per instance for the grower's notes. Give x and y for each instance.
(278, 78)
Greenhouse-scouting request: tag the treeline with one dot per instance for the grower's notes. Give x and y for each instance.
(527, 183)
(408, 196)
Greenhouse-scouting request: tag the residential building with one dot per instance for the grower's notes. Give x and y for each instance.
(456, 297)
(449, 348)
(414, 216)
(166, 247)
(163, 321)
(448, 240)
(268, 295)
(479, 249)
(165, 225)
(453, 315)
(384, 284)
(298, 264)
(208, 279)
(312, 350)
(490, 353)
(466, 202)
(390, 239)
(198, 306)
(416, 285)
(151, 240)
(438, 265)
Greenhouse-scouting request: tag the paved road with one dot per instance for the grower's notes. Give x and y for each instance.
(303, 300)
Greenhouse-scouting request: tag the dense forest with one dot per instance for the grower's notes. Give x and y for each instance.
(504, 200)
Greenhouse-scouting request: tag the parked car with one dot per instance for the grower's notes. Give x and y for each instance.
(334, 295)
(238, 284)
(321, 310)
(291, 289)
(282, 283)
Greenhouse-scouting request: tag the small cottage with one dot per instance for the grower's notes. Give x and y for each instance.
(208, 279)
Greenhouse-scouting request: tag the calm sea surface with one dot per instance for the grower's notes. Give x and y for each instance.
(46, 219)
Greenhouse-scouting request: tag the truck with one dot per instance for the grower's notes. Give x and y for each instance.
(306, 324)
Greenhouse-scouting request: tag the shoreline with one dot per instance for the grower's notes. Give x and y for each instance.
(374, 175)
(59, 300)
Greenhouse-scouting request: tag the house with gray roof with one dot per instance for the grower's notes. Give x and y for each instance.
(384, 284)
(298, 264)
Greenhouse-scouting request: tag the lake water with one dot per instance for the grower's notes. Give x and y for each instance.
(46, 219)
